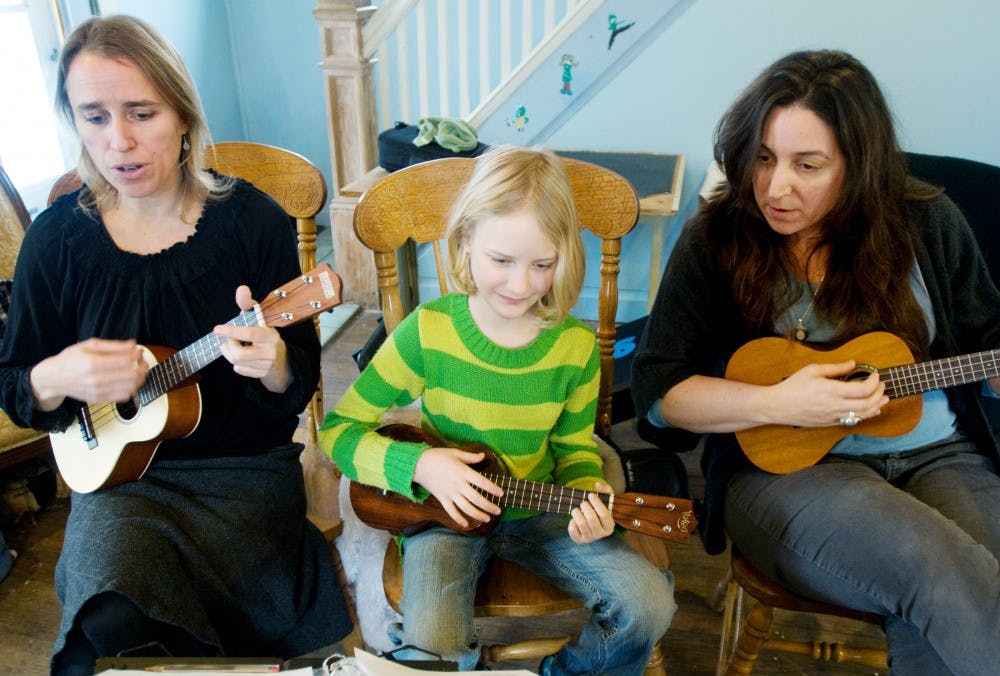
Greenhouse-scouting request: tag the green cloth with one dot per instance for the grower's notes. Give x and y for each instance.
(454, 135)
(534, 406)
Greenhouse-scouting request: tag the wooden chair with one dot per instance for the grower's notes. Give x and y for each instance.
(16, 444)
(290, 179)
(743, 638)
(414, 203)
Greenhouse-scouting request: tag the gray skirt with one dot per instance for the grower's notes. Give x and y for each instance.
(220, 547)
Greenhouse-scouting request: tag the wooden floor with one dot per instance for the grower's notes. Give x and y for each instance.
(29, 611)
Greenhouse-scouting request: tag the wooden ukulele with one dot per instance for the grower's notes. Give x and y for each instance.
(782, 449)
(114, 443)
(662, 517)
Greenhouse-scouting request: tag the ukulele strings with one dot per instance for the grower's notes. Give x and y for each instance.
(537, 495)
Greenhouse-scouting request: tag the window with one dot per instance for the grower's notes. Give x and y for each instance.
(35, 147)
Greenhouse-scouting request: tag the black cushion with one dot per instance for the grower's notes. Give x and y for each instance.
(975, 188)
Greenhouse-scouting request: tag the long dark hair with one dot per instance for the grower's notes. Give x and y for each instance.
(870, 241)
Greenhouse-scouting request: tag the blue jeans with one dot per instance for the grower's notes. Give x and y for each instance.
(914, 537)
(632, 602)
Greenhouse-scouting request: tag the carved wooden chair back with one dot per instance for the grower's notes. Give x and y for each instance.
(16, 444)
(298, 186)
(414, 204)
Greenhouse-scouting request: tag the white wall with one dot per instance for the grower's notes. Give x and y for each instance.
(938, 63)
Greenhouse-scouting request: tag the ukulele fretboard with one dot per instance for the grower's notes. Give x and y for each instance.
(542, 497)
(185, 363)
(910, 379)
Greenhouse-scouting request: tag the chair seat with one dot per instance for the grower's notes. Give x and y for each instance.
(506, 589)
(769, 592)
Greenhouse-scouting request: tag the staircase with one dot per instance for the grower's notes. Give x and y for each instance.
(517, 70)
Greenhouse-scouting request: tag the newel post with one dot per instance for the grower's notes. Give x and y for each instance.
(353, 140)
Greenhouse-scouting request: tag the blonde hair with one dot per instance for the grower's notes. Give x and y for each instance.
(125, 38)
(508, 179)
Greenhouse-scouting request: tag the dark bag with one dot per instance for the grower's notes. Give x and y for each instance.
(655, 471)
(396, 149)
(364, 354)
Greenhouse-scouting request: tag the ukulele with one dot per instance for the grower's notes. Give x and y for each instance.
(115, 442)
(781, 449)
(662, 517)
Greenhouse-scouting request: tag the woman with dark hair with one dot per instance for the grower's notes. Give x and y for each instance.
(819, 238)
(210, 552)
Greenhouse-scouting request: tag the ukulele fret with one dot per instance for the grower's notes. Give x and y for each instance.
(911, 379)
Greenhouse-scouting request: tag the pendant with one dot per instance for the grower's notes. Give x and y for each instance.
(801, 333)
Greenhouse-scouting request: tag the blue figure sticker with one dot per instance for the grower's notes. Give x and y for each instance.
(568, 63)
(616, 27)
(520, 119)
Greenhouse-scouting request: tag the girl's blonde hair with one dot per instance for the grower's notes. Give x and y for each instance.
(508, 179)
(125, 38)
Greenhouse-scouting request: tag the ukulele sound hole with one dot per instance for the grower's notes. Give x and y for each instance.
(127, 410)
(861, 372)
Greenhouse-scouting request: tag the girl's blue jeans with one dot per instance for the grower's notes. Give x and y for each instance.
(914, 537)
(631, 601)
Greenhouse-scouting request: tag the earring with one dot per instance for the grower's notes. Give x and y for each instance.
(185, 145)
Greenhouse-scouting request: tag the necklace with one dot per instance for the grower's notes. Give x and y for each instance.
(801, 332)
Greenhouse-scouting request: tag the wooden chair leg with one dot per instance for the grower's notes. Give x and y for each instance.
(753, 636)
(731, 613)
(721, 590)
(523, 650)
(355, 638)
(655, 666)
(831, 652)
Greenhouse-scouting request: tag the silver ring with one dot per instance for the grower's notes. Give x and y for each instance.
(850, 419)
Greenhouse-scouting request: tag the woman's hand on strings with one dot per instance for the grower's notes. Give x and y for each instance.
(816, 395)
(94, 371)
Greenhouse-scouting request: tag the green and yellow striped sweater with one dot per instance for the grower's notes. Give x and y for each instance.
(534, 406)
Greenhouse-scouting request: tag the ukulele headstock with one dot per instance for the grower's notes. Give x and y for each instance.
(306, 295)
(656, 515)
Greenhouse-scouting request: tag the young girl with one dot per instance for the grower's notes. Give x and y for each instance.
(501, 363)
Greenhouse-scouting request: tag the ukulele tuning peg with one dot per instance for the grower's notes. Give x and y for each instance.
(279, 293)
(667, 529)
(639, 500)
(670, 506)
(636, 523)
(287, 316)
(307, 279)
(315, 304)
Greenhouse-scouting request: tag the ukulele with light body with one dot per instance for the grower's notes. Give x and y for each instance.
(112, 443)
